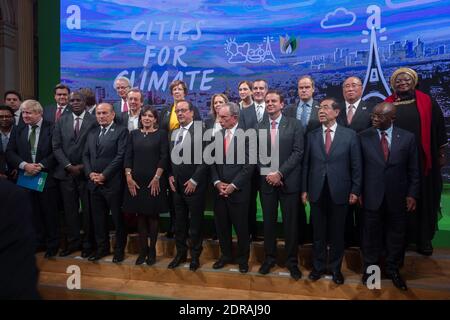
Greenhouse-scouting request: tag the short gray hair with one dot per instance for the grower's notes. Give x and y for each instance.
(233, 107)
(123, 79)
(32, 105)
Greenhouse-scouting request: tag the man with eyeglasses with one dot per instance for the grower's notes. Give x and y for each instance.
(6, 127)
(390, 189)
(355, 115)
(122, 86)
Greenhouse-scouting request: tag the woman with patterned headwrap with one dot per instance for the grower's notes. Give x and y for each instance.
(418, 113)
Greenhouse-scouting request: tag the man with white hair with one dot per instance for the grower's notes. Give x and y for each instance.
(122, 86)
(30, 150)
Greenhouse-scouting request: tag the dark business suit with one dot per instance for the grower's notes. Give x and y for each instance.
(329, 180)
(18, 271)
(249, 120)
(361, 121)
(232, 211)
(106, 157)
(189, 209)
(305, 230)
(290, 155)
(164, 124)
(50, 112)
(313, 122)
(45, 214)
(68, 150)
(386, 186)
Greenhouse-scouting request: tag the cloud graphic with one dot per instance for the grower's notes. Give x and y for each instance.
(397, 4)
(340, 17)
(274, 5)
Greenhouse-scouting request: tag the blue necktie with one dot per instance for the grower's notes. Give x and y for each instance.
(304, 115)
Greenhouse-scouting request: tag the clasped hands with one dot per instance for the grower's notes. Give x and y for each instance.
(97, 178)
(274, 179)
(225, 189)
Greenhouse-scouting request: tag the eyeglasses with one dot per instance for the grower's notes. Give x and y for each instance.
(181, 110)
(352, 85)
(325, 107)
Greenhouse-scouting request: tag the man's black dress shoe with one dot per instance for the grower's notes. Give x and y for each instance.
(50, 253)
(425, 249)
(86, 254)
(176, 261)
(315, 275)
(98, 255)
(141, 259)
(338, 278)
(243, 267)
(397, 280)
(118, 257)
(195, 264)
(266, 266)
(219, 264)
(296, 274)
(68, 251)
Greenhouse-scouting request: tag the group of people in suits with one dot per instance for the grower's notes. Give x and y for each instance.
(349, 161)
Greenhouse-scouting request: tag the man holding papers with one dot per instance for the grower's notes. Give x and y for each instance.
(30, 150)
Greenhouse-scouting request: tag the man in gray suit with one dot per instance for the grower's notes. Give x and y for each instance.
(103, 165)
(69, 138)
(281, 185)
(53, 112)
(306, 110)
(332, 177)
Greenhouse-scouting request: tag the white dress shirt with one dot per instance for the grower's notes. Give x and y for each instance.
(333, 131)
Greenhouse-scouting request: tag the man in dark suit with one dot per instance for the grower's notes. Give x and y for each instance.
(53, 112)
(13, 99)
(18, 271)
(307, 109)
(249, 118)
(355, 115)
(280, 182)
(103, 165)
(122, 85)
(169, 122)
(187, 179)
(231, 179)
(391, 187)
(130, 118)
(332, 177)
(69, 139)
(6, 128)
(307, 112)
(30, 149)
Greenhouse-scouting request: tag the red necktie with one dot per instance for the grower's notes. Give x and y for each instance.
(350, 114)
(328, 141)
(125, 106)
(58, 114)
(384, 145)
(273, 132)
(227, 140)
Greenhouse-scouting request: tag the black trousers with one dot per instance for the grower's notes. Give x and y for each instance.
(45, 218)
(189, 211)
(228, 214)
(384, 230)
(74, 193)
(252, 206)
(290, 204)
(102, 202)
(328, 221)
(353, 227)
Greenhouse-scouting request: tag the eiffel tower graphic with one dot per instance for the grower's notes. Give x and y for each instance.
(375, 86)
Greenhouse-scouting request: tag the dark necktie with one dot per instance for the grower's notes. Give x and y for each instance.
(101, 136)
(77, 127)
(58, 114)
(384, 145)
(180, 136)
(32, 139)
(327, 140)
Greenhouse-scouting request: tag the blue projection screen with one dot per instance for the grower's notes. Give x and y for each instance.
(213, 44)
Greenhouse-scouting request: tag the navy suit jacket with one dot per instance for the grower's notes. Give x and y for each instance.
(106, 158)
(164, 117)
(248, 119)
(395, 179)
(66, 148)
(313, 122)
(19, 150)
(50, 112)
(342, 167)
(361, 119)
(290, 148)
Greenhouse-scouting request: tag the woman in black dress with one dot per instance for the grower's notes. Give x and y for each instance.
(419, 114)
(145, 161)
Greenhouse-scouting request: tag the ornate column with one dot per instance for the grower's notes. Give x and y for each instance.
(8, 47)
(25, 46)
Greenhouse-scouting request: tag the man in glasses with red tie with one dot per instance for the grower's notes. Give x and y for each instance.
(332, 177)
(390, 189)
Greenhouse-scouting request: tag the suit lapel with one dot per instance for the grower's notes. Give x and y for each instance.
(320, 142)
(335, 141)
(377, 145)
(395, 141)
